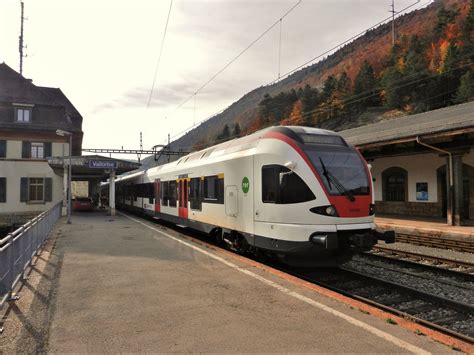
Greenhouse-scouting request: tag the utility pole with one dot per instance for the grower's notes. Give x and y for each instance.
(393, 22)
(21, 38)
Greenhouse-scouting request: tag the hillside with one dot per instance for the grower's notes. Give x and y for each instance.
(365, 81)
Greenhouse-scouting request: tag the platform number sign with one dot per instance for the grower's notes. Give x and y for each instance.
(245, 184)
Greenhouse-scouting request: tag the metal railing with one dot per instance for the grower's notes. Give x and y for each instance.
(18, 248)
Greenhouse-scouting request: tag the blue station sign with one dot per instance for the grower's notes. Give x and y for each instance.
(103, 164)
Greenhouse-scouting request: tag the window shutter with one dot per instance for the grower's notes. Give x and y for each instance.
(47, 150)
(26, 150)
(3, 189)
(48, 189)
(3, 149)
(24, 189)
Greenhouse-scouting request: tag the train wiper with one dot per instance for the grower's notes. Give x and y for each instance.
(340, 187)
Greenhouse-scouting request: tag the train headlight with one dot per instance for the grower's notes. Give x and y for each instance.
(325, 210)
(331, 211)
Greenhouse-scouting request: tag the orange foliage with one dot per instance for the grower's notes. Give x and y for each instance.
(295, 118)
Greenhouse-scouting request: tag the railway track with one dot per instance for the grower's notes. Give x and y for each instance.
(433, 311)
(450, 312)
(387, 252)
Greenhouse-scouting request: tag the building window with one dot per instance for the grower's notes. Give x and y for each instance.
(3, 189)
(23, 115)
(3, 149)
(37, 150)
(36, 190)
(394, 184)
(282, 186)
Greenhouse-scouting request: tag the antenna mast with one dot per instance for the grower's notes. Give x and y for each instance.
(21, 38)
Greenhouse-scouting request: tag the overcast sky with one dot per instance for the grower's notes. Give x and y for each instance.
(103, 54)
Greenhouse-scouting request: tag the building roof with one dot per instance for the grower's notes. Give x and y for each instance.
(445, 121)
(18, 89)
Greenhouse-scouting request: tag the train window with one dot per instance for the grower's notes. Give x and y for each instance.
(150, 192)
(195, 194)
(164, 192)
(213, 189)
(172, 194)
(282, 186)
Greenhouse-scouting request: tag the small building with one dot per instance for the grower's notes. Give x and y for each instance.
(423, 164)
(29, 118)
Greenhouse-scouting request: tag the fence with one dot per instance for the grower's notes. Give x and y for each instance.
(18, 248)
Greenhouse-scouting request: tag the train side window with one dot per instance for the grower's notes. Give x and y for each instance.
(195, 194)
(282, 186)
(213, 189)
(150, 189)
(172, 194)
(164, 192)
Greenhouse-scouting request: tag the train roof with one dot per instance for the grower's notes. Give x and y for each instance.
(238, 144)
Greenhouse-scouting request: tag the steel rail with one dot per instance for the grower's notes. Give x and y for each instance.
(412, 254)
(386, 308)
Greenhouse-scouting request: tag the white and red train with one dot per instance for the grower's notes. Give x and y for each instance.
(301, 194)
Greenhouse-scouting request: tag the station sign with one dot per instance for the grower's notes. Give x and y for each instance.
(103, 164)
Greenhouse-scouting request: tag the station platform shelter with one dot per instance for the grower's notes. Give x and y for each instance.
(94, 169)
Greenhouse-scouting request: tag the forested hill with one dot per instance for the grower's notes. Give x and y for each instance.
(368, 80)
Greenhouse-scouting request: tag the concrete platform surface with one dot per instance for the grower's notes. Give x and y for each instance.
(129, 285)
(429, 226)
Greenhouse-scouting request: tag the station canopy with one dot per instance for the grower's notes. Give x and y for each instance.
(92, 166)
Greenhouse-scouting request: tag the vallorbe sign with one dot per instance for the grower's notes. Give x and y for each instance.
(102, 164)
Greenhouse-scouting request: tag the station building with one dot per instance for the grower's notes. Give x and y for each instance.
(422, 165)
(29, 118)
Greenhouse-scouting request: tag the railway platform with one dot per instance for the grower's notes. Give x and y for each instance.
(124, 284)
(431, 232)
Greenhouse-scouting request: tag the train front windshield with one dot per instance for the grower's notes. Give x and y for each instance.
(341, 169)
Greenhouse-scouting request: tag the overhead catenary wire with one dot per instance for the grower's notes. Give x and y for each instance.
(211, 79)
(327, 108)
(179, 134)
(159, 56)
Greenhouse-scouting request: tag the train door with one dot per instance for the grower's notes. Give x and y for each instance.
(183, 197)
(157, 195)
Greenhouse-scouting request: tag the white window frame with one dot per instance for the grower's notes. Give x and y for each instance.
(41, 182)
(37, 150)
(20, 114)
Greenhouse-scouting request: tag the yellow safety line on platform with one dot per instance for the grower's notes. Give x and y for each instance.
(390, 338)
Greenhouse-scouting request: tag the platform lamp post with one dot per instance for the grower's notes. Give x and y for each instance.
(62, 133)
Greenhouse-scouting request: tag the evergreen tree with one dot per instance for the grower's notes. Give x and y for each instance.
(330, 85)
(237, 131)
(224, 135)
(445, 17)
(366, 88)
(450, 74)
(465, 90)
(264, 108)
(309, 101)
(391, 82)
